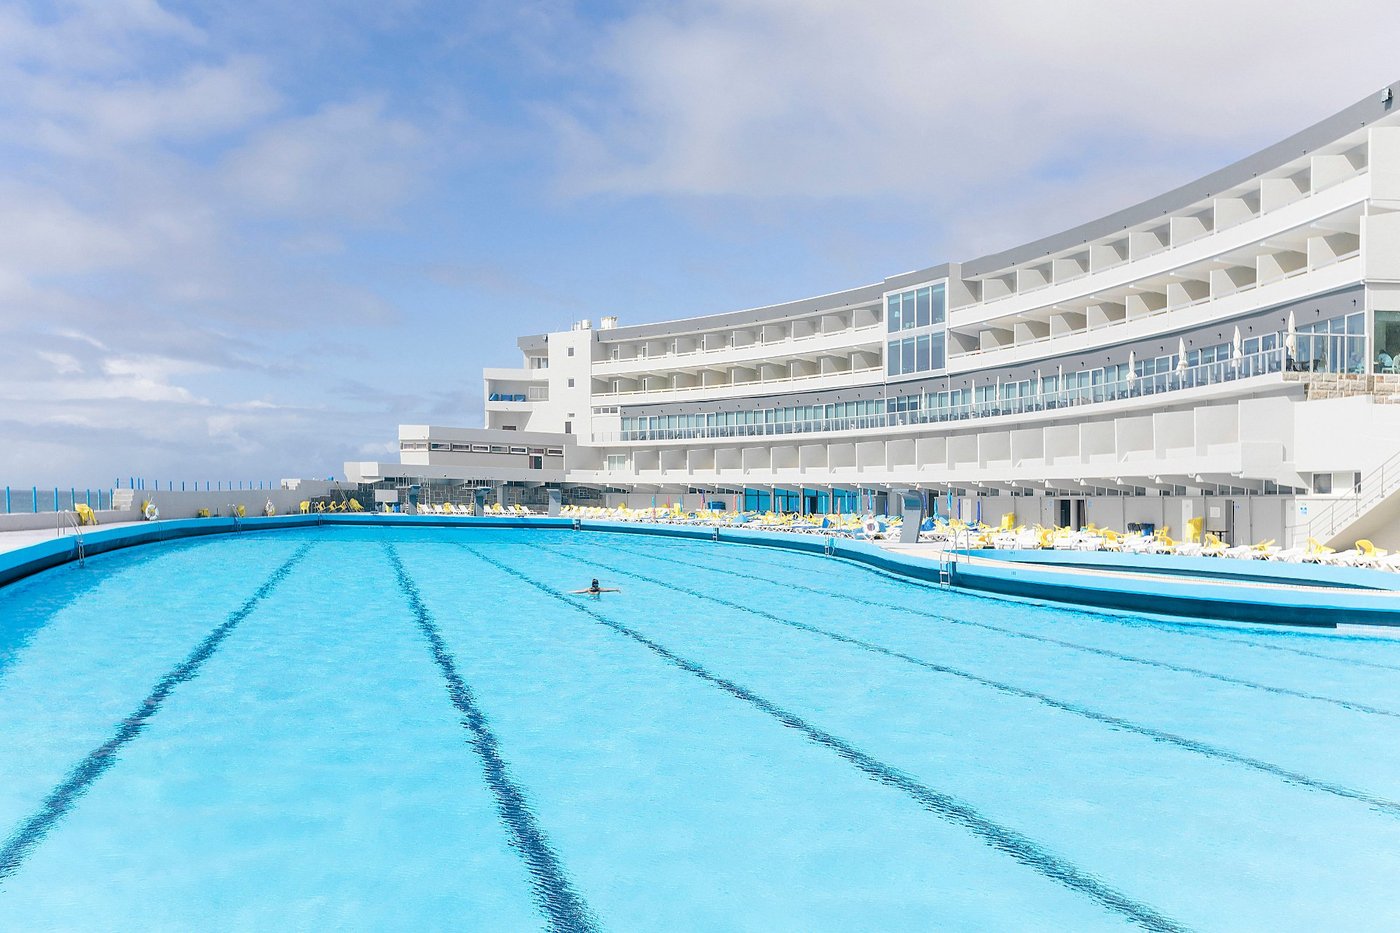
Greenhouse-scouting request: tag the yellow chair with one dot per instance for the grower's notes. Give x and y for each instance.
(305, 506)
(86, 516)
(1369, 551)
(240, 511)
(355, 506)
(1193, 529)
(1008, 521)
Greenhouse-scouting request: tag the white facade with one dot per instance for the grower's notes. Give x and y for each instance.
(1228, 350)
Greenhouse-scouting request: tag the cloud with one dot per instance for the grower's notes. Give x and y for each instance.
(174, 214)
(82, 117)
(820, 99)
(90, 36)
(347, 161)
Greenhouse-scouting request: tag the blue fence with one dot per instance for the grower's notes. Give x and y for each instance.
(57, 499)
(44, 499)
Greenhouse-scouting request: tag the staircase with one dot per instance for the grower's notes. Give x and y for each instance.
(1373, 506)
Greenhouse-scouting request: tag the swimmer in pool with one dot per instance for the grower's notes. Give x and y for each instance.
(595, 590)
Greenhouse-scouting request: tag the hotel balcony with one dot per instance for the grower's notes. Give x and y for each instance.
(1290, 197)
(825, 372)
(838, 330)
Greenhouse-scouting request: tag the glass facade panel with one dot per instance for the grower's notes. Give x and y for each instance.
(1337, 345)
(916, 309)
(1331, 345)
(1387, 341)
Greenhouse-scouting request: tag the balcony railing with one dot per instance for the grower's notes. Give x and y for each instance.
(667, 360)
(1158, 312)
(752, 383)
(1182, 378)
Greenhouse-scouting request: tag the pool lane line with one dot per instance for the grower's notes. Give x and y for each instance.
(1191, 629)
(1002, 838)
(1380, 804)
(85, 580)
(1046, 639)
(554, 894)
(65, 796)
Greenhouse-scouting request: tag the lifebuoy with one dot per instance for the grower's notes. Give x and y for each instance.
(871, 526)
(151, 512)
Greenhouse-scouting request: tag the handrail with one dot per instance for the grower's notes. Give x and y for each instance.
(1348, 509)
(68, 518)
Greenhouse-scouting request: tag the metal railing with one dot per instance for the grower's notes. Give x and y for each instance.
(70, 519)
(1192, 377)
(1374, 487)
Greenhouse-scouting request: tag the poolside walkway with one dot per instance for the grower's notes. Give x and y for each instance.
(14, 540)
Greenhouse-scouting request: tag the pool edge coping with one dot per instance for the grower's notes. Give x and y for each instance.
(1016, 579)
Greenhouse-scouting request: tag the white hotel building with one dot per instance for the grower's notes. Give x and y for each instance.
(1228, 350)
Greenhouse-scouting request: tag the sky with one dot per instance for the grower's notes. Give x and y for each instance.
(244, 240)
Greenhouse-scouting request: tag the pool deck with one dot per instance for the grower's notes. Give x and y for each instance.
(934, 553)
(14, 540)
(1223, 589)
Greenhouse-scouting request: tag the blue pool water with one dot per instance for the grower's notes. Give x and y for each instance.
(387, 728)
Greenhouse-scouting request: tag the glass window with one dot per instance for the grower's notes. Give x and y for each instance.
(892, 313)
(1387, 341)
(892, 358)
(1322, 483)
(939, 300)
(907, 353)
(921, 363)
(935, 352)
(925, 300)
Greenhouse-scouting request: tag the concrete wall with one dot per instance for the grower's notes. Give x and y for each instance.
(47, 521)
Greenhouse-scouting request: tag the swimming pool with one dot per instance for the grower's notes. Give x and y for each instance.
(418, 728)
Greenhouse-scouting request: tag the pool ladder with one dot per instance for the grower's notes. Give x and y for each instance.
(947, 562)
(66, 520)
